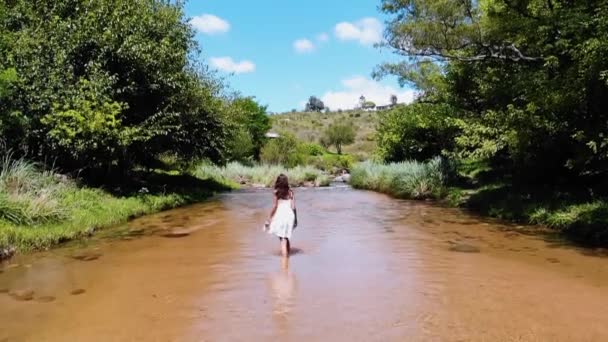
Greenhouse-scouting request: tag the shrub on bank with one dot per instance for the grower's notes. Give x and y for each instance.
(264, 175)
(39, 209)
(410, 179)
(333, 162)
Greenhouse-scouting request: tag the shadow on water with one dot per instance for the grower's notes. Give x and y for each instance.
(154, 182)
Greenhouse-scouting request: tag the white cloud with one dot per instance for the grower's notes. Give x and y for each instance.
(303, 46)
(366, 31)
(323, 37)
(227, 64)
(210, 24)
(356, 86)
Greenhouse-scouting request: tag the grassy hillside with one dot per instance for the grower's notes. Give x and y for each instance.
(309, 126)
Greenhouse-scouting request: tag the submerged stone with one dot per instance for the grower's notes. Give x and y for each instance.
(45, 299)
(6, 253)
(176, 233)
(77, 291)
(464, 248)
(86, 255)
(22, 295)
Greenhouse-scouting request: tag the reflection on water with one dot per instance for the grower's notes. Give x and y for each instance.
(365, 268)
(283, 290)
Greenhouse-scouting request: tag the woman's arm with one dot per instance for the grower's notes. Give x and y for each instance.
(274, 207)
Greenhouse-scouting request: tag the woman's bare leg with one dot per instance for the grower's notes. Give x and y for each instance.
(284, 247)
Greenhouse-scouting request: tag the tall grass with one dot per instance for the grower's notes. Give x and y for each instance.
(263, 175)
(410, 179)
(39, 208)
(29, 196)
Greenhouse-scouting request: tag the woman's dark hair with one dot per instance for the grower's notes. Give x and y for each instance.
(281, 187)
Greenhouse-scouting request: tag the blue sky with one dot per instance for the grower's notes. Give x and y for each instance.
(282, 52)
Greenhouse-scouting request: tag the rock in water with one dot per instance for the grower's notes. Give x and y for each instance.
(464, 248)
(77, 291)
(346, 178)
(23, 295)
(6, 253)
(86, 255)
(176, 233)
(45, 299)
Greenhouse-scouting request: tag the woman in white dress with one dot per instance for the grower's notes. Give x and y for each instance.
(282, 219)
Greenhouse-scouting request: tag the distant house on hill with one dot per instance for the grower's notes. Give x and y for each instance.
(385, 107)
(272, 135)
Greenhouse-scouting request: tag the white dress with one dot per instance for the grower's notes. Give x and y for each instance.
(283, 220)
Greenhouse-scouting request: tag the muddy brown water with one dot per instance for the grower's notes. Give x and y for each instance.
(365, 268)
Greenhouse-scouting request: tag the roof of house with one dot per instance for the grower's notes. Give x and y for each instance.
(272, 135)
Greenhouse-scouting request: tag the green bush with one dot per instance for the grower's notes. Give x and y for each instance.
(41, 208)
(29, 196)
(286, 151)
(338, 134)
(119, 88)
(249, 122)
(416, 132)
(333, 162)
(312, 149)
(241, 146)
(410, 179)
(262, 174)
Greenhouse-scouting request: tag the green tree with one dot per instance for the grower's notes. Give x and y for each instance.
(109, 84)
(339, 134)
(250, 118)
(527, 80)
(394, 100)
(314, 105)
(11, 121)
(285, 150)
(369, 105)
(419, 131)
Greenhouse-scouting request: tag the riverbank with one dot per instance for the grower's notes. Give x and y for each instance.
(573, 213)
(40, 209)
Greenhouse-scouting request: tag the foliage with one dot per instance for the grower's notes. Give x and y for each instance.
(410, 179)
(105, 84)
(527, 80)
(310, 128)
(394, 99)
(333, 163)
(250, 124)
(285, 150)
(39, 209)
(339, 134)
(313, 149)
(368, 105)
(418, 131)
(10, 119)
(314, 105)
(28, 196)
(241, 145)
(264, 174)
